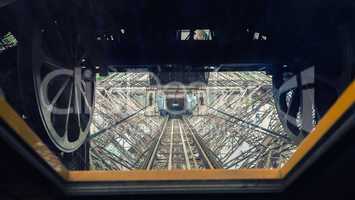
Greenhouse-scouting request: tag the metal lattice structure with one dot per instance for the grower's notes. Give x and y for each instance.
(241, 126)
(121, 132)
(234, 124)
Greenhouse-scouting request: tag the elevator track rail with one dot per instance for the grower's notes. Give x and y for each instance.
(178, 148)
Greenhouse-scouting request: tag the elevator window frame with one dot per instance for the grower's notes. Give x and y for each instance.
(140, 181)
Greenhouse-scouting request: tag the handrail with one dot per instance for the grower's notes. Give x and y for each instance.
(115, 124)
(269, 132)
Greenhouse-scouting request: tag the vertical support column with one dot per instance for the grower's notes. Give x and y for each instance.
(150, 102)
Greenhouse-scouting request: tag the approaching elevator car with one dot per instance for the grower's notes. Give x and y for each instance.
(174, 105)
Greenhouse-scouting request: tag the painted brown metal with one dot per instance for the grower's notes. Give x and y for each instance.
(9, 115)
(344, 102)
